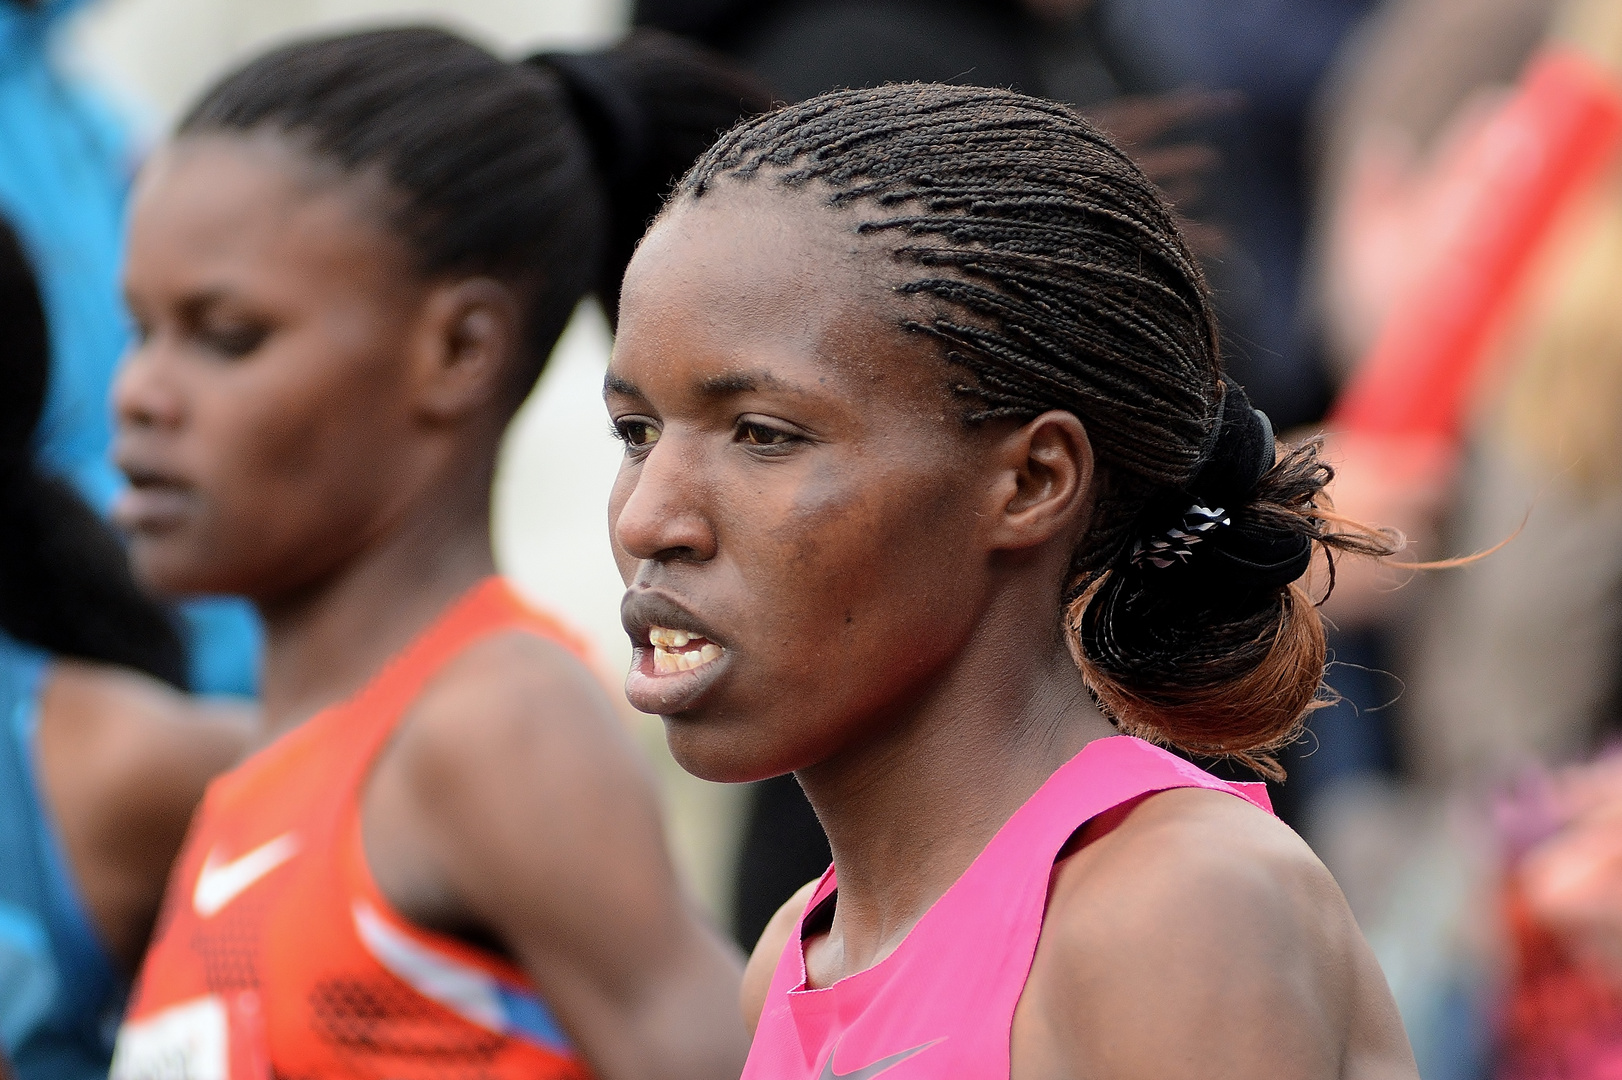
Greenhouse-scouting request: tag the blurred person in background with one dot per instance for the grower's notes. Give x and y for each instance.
(65, 166)
(102, 759)
(1518, 662)
(1513, 662)
(446, 857)
(1518, 655)
(1562, 905)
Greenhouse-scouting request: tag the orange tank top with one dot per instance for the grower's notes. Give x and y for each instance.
(276, 955)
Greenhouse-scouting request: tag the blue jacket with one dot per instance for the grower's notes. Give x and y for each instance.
(65, 169)
(60, 995)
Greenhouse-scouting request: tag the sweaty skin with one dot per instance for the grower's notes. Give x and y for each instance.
(882, 583)
(308, 422)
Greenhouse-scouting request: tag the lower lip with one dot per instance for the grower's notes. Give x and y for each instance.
(152, 508)
(673, 693)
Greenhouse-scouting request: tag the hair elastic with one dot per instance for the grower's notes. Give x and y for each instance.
(1249, 554)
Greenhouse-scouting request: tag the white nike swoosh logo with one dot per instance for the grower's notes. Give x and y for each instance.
(219, 883)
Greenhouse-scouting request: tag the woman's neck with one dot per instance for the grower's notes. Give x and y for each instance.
(907, 812)
(324, 642)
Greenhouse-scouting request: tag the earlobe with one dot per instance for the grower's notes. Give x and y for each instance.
(1049, 470)
(469, 343)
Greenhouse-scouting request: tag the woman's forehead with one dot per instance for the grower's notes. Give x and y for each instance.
(748, 240)
(246, 209)
(758, 283)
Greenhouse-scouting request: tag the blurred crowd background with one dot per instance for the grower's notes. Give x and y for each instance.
(1459, 785)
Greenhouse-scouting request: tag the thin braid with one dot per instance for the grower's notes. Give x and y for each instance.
(1073, 285)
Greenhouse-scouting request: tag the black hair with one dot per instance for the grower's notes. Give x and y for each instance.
(542, 174)
(65, 581)
(1054, 276)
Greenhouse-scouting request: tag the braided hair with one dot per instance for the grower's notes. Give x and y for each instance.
(1053, 275)
(541, 174)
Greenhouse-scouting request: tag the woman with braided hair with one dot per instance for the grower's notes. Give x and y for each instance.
(934, 493)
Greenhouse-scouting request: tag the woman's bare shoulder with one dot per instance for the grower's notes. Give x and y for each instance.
(134, 741)
(1203, 937)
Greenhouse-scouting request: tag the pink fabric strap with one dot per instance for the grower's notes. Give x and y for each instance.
(942, 1005)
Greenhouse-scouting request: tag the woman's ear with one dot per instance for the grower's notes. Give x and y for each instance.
(470, 333)
(1045, 487)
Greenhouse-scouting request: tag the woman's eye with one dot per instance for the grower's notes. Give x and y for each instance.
(234, 341)
(636, 433)
(757, 434)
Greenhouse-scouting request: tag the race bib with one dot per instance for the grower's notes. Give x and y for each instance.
(213, 1037)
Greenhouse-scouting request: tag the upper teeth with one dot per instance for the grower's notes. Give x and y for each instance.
(665, 638)
(666, 661)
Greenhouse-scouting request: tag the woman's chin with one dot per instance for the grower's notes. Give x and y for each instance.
(716, 751)
(168, 569)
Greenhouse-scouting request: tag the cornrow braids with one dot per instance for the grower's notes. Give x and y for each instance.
(1060, 280)
(1068, 283)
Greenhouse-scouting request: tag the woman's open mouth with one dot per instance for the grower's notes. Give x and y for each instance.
(680, 650)
(674, 661)
(152, 503)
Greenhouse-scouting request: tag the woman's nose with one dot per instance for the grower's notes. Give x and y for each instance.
(144, 394)
(664, 516)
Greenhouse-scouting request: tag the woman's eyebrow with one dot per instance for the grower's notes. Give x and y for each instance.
(736, 382)
(723, 385)
(746, 382)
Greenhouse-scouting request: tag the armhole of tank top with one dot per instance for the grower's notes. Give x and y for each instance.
(362, 887)
(360, 881)
(819, 918)
(1098, 826)
(516, 616)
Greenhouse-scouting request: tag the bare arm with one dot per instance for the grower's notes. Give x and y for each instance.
(514, 806)
(123, 762)
(1202, 939)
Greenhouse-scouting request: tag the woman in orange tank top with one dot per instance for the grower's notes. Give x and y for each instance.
(445, 859)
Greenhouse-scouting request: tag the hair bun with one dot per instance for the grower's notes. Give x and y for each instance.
(1203, 537)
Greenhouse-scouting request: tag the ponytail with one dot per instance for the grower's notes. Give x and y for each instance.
(649, 107)
(65, 583)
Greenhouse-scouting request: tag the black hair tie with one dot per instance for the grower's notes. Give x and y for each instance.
(1201, 534)
(614, 122)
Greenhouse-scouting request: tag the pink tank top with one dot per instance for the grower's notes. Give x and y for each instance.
(942, 1005)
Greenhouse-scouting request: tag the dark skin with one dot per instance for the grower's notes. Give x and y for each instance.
(883, 584)
(123, 761)
(308, 422)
